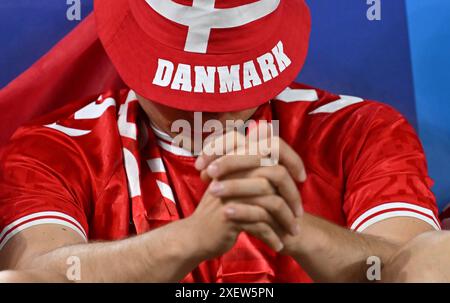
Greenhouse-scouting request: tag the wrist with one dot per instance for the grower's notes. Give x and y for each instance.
(189, 241)
(171, 246)
(310, 240)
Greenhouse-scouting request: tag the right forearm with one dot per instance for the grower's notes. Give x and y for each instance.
(163, 255)
(331, 253)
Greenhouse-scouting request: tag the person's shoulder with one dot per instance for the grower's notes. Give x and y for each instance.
(78, 120)
(314, 120)
(315, 106)
(84, 129)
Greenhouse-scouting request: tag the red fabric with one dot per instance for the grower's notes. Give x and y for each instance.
(74, 69)
(94, 165)
(445, 218)
(137, 39)
(446, 213)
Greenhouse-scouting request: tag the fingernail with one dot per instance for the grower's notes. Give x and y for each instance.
(230, 212)
(280, 247)
(200, 163)
(213, 170)
(302, 177)
(216, 187)
(299, 211)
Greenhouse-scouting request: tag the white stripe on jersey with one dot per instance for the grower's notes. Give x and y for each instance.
(94, 110)
(46, 217)
(337, 105)
(156, 165)
(391, 210)
(132, 170)
(73, 132)
(297, 95)
(166, 191)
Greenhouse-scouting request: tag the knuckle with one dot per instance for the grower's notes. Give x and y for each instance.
(281, 173)
(259, 226)
(265, 184)
(274, 174)
(267, 234)
(263, 215)
(224, 164)
(297, 197)
(277, 203)
(220, 163)
(264, 230)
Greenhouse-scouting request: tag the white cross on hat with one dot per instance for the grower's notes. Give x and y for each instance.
(201, 17)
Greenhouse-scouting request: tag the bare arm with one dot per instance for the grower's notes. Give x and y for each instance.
(330, 253)
(161, 255)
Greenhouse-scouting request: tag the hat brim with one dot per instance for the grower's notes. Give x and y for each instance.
(135, 56)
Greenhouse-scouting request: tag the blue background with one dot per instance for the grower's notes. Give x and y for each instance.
(402, 60)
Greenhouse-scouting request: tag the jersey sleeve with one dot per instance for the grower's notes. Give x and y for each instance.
(386, 171)
(43, 180)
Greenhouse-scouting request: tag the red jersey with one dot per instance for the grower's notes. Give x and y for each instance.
(97, 167)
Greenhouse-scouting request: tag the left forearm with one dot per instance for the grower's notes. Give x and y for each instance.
(330, 253)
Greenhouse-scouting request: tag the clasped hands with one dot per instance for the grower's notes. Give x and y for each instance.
(244, 196)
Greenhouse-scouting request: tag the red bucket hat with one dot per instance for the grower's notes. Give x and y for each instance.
(205, 55)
